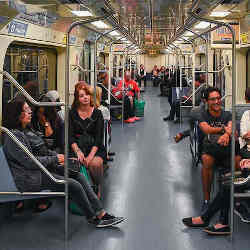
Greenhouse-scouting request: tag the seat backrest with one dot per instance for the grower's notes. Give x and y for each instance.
(7, 183)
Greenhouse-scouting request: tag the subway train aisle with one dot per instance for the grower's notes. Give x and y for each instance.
(151, 182)
(154, 185)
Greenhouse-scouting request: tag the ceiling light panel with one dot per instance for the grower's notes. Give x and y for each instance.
(81, 13)
(202, 25)
(114, 33)
(220, 13)
(100, 25)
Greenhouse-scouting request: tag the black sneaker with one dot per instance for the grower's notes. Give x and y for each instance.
(110, 217)
(242, 212)
(204, 206)
(168, 118)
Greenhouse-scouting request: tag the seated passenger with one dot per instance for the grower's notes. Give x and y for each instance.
(245, 130)
(53, 95)
(216, 124)
(131, 91)
(29, 178)
(86, 127)
(186, 100)
(106, 117)
(47, 121)
(193, 117)
(220, 203)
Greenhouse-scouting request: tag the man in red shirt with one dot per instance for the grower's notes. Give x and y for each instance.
(131, 89)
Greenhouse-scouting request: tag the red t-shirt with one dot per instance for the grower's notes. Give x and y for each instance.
(131, 87)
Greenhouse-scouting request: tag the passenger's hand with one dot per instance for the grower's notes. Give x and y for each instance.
(245, 163)
(88, 160)
(228, 130)
(224, 140)
(247, 136)
(80, 156)
(60, 158)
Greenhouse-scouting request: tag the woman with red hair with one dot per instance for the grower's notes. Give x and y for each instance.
(86, 127)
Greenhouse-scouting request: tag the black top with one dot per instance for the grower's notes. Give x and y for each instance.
(223, 119)
(104, 93)
(93, 126)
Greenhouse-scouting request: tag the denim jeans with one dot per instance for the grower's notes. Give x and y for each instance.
(79, 191)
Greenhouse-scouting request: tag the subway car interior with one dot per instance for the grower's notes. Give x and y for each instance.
(122, 119)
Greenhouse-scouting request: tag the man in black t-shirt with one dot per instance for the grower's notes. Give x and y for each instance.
(216, 124)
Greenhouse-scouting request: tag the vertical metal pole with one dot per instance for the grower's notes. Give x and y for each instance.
(110, 69)
(233, 112)
(123, 69)
(66, 133)
(206, 62)
(95, 63)
(193, 82)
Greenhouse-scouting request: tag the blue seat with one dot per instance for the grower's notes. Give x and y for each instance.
(7, 184)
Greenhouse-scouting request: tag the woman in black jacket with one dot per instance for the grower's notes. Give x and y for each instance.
(86, 132)
(28, 176)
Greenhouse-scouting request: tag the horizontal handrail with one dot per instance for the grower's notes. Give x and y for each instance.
(194, 93)
(225, 96)
(25, 93)
(86, 70)
(109, 92)
(33, 193)
(31, 156)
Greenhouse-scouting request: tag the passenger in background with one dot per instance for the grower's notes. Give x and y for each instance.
(53, 95)
(29, 178)
(186, 100)
(106, 117)
(142, 75)
(245, 130)
(216, 124)
(47, 121)
(86, 132)
(132, 92)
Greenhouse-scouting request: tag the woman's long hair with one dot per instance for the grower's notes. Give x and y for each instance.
(82, 85)
(12, 113)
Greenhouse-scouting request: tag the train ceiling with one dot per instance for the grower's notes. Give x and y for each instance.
(151, 24)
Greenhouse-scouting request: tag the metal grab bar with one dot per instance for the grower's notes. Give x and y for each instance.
(31, 156)
(215, 71)
(33, 193)
(194, 93)
(24, 92)
(225, 96)
(86, 70)
(109, 92)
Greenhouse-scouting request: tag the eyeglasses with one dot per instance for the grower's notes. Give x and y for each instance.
(214, 99)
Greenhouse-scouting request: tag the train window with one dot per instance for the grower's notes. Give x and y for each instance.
(34, 68)
(248, 69)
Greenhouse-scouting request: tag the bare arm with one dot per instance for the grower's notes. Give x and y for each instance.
(207, 129)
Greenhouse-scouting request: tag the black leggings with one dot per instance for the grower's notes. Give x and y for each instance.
(79, 191)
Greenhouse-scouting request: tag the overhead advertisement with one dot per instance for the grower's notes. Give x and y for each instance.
(222, 35)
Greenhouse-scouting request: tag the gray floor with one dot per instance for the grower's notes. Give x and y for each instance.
(151, 182)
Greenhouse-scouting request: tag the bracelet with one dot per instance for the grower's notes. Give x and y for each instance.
(46, 124)
(78, 150)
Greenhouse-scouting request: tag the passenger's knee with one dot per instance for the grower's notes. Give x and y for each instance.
(207, 161)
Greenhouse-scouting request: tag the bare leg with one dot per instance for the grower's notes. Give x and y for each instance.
(207, 174)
